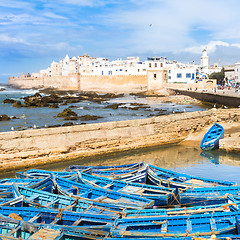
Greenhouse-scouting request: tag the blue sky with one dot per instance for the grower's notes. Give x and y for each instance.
(35, 32)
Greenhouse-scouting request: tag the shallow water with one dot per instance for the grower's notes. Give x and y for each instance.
(44, 117)
(190, 160)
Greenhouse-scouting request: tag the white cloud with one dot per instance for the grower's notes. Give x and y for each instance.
(236, 45)
(53, 15)
(15, 4)
(211, 47)
(14, 19)
(173, 22)
(4, 38)
(88, 3)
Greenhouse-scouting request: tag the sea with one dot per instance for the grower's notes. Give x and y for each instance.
(185, 159)
(27, 118)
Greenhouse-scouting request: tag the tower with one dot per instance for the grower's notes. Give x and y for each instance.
(204, 59)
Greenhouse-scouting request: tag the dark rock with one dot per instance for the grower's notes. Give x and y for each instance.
(17, 104)
(55, 105)
(112, 95)
(67, 124)
(140, 105)
(68, 114)
(160, 110)
(148, 94)
(89, 117)
(134, 108)
(64, 103)
(52, 126)
(73, 118)
(4, 117)
(9, 101)
(114, 106)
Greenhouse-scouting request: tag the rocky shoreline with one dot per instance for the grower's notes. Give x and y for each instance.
(74, 108)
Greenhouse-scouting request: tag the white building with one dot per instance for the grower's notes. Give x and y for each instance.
(172, 70)
(182, 75)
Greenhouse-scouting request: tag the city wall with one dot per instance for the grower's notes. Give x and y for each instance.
(36, 147)
(114, 83)
(71, 82)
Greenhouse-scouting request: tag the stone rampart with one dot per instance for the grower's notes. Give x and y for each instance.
(40, 146)
(71, 82)
(114, 83)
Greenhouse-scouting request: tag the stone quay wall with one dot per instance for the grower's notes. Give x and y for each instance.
(31, 148)
(217, 98)
(76, 81)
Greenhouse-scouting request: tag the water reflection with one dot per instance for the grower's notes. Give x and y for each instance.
(189, 160)
(212, 156)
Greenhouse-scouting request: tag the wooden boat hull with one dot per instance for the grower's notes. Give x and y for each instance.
(192, 225)
(207, 196)
(38, 198)
(167, 178)
(212, 137)
(50, 216)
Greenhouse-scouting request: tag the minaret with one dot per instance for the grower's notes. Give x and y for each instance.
(204, 59)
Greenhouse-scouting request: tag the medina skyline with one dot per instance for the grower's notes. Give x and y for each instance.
(33, 34)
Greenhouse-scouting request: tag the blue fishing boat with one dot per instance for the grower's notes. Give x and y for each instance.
(7, 189)
(213, 237)
(97, 194)
(136, 172)
(232, 203)
(39, 173)
(37, 198)
(15, 201)
(51, 216)
(11, 229)
(162, 196)
(185, 225)
(97, 169)
(207, 195)
(168, 178)
(211, 138)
